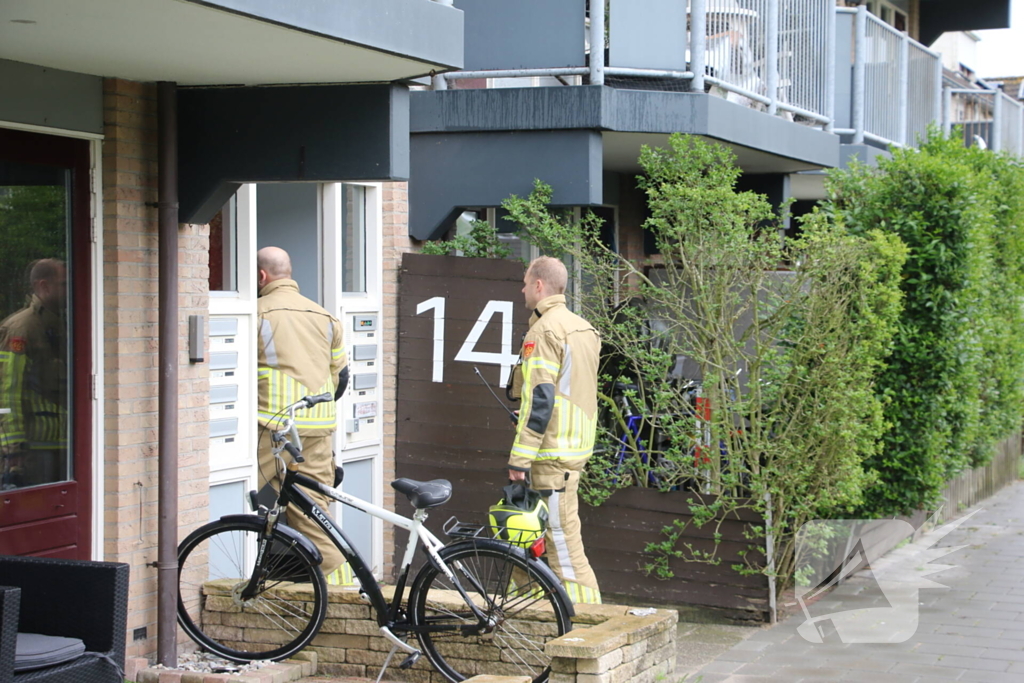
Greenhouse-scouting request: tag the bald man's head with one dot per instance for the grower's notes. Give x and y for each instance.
(272, 263)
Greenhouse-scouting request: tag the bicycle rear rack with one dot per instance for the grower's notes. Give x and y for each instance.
(453, 528)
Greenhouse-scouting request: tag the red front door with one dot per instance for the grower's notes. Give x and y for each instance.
(45, 346)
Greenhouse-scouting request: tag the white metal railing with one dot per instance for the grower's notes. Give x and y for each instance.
(897, 83)
(781, 55)
(989, 116)
(777, 53)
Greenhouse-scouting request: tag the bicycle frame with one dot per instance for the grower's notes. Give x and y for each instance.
(387, 615)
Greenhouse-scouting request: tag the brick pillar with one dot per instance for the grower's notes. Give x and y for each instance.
(396, 242)
(130, 353)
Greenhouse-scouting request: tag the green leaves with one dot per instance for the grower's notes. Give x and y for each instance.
(481, 242)
(953, 382)
(786, 358)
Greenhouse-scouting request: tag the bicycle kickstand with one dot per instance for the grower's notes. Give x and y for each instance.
(406, 663)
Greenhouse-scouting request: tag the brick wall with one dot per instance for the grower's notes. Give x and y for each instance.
(396, 242)
(130, 353)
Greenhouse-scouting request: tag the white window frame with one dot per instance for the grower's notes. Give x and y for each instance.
(344, 304)
(241, 304)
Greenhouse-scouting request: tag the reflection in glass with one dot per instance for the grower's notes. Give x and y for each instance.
(34, 325)
(353, 238)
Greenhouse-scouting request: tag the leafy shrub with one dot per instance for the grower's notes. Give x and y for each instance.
(786, 360)
(481, 242)
(952, 386)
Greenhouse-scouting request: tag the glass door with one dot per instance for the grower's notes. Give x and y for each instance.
(45, 346)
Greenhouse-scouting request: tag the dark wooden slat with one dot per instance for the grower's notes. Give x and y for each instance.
(461, 267)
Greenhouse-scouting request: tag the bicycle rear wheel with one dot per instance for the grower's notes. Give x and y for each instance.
(522, 599)
(215, 564)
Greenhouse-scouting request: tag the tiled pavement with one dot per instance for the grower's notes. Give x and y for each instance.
(971, 631)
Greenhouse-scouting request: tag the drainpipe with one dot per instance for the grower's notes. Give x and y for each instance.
(597, 41)
(772, 56)
(903, 95)
(698, 26)
(947, 109)
(167, 529)
(995, 137)
(859, 56)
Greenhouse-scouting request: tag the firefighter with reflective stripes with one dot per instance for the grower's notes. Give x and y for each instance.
(300, 352)
(34, 382)
(557, 418)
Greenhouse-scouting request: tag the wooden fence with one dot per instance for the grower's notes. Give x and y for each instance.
(975, 485)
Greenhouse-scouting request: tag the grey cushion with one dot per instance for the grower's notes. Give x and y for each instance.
(35, 651)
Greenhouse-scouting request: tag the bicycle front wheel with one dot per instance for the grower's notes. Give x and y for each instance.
(215, 564)
(522, 600)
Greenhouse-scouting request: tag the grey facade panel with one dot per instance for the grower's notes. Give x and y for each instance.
(864, 154)
(506, 109)
(230, 136)
(648, 34)
(418, 29)
(600, 108)
(524, 34)
(451, 172)
(41, 96)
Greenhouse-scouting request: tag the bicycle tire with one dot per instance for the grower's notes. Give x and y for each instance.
(497, 576)
(224, 551)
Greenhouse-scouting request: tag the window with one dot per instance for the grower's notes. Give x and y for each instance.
(353, 238)
(36, 343)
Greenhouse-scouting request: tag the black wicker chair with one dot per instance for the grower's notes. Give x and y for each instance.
(86, 600)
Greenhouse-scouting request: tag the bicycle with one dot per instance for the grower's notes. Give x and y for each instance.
(473, 590)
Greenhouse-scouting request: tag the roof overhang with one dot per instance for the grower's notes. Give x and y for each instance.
(236, 42)
(940, 16)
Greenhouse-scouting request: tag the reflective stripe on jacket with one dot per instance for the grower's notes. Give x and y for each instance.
(557, 417)
(33, 378)
(300, 352)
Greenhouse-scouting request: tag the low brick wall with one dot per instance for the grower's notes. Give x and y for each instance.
(608, 644)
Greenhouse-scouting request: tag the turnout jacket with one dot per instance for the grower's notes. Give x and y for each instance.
(558, 414)
(300, 351)
(34, 378)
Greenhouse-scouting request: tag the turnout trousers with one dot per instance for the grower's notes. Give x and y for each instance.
(319, 465)
(563, 539)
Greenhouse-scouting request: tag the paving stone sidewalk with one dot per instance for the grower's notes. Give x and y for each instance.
(971, 631)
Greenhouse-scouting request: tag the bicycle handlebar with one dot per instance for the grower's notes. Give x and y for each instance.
(292, 443)
(310, 401)
(295, 452)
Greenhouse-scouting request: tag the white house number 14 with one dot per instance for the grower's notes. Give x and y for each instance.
(505, 359)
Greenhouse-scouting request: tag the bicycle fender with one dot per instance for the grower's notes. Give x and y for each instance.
(535, 564)
(286, 531)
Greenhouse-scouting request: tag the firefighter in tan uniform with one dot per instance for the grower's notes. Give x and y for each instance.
(300, 352)
(34, 382)
(557, 418)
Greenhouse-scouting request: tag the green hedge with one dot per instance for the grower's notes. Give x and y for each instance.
(952, 385)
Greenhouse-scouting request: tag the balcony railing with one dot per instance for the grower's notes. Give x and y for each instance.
(990, 116)
(841, 69)
(896, 88)
(771, 54)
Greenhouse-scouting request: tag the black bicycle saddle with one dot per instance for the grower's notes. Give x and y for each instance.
(424, 494)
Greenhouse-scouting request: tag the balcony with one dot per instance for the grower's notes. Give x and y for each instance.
(840, 70)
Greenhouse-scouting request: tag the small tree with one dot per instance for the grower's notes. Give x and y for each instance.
(785, 361)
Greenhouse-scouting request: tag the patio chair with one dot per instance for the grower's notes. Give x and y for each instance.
(65, 598)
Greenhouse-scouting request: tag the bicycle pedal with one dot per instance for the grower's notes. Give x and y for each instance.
(409, 661)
